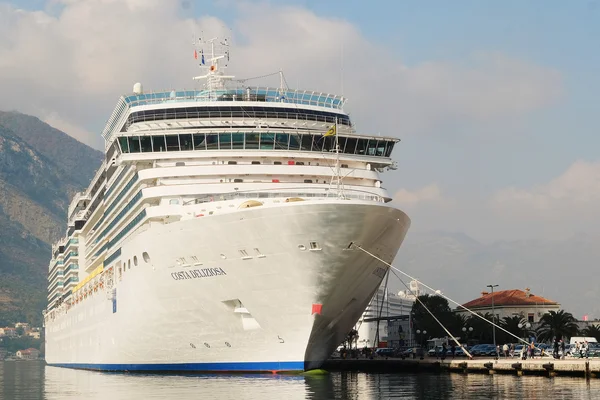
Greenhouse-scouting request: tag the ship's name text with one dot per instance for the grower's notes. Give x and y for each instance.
(198, 273)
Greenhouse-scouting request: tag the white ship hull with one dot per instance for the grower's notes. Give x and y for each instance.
(233, 292)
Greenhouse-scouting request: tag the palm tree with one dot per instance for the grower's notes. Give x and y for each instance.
(511, 324)
(592, 331)
(557, 324)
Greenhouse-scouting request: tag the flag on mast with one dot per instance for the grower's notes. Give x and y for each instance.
(331, 132)
(195, 54)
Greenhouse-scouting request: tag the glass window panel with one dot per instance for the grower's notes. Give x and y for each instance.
(134, 144)
(361, 146)
(294, 142)
(199, 142)
(342, 143)
(389, 148)
(350, 147)
(158, 143)
(317, 142)
(281, 141)
(252, 140)
(237, 140)
(124, 144)
(381, 148)
(185, 141)
(305, 142)
(212, 141)
(172, 142)
(329, 144)
(266, 141)
(146, 144)
(225, 141)
(371, 147)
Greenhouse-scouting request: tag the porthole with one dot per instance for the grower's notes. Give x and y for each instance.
(146, 257)
(129, 264)
(207, 345)
(314, 246)
(135, 261)
(227, 344)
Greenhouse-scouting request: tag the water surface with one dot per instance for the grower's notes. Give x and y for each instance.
(34, 380)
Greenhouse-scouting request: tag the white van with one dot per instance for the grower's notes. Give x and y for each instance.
(580, 339)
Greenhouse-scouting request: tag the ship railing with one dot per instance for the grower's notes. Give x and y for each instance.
(302, 192)
(251, 94)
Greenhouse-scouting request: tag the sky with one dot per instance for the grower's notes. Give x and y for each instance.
(496, 103)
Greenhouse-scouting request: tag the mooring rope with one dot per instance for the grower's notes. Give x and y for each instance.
(437, 292)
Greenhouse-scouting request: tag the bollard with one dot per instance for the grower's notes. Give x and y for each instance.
(489, 365)
(548, 366)
(517, 366)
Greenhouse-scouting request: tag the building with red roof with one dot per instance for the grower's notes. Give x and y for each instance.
(509, 303)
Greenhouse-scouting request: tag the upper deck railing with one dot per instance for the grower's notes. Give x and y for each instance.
(256, 94)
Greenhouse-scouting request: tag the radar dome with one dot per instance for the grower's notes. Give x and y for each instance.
(137, 88)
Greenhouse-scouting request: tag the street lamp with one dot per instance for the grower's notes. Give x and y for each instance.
(524, 325)
(469, 329)
(493, 319)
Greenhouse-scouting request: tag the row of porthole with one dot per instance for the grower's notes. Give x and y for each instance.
(127, 266)
(193, 346)
(312, 246)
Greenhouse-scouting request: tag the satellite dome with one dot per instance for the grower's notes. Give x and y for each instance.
(137, 88)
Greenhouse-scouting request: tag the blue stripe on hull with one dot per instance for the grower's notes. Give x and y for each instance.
(192, 367)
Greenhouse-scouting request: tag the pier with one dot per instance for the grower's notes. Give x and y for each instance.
(587, 368)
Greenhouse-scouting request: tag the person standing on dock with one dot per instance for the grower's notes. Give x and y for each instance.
(563, 348)
(505, 350)
(555, 353)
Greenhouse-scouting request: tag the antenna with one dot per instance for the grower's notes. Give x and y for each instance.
(216, 51)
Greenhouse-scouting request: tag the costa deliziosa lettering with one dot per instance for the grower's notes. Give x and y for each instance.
(198, 273)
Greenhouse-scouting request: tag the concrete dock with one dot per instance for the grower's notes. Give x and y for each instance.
(588, 368)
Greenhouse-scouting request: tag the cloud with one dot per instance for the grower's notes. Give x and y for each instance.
(74, 62)
(427, 194)
(555, 208)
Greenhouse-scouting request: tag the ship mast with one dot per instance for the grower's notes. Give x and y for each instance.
(219, 52)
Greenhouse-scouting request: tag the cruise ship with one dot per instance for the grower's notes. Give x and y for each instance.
(221, 232)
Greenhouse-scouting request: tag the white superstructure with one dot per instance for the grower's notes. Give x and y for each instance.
(217, 235)
(384, 307)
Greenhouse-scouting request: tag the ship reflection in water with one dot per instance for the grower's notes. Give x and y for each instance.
(33, 380)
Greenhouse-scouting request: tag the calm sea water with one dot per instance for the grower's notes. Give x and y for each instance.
(34, 380)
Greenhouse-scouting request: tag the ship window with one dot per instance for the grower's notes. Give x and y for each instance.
(134, 144)
(124, 145)
(179, 164)
(305, 143)
(361, 146)
(225, 141)
(255, 162)
(350, 146)
(314, 246)
(199, 142)
(266, 141)
(294, 142)
(308, 181)
(231, 162)
(276, 162)
(299, 162)
(238, 180)
(146, 144)
(212, 141)
(172, 142)
(372, 147)
(344, 165)
(237, 140)
(186, 141)
(342, 143)
(328, 143)
(252, 140)
(381, 148)
(317, 143)
(281, 141)
(174, 201)
(135, 261)
(158, 143)
(389, 148)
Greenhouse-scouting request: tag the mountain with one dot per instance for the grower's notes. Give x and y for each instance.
(461, 267)
(40, 169)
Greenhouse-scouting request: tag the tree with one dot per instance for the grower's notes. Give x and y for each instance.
(351, 337)
(482, 330)
(20, 331)
(511, 324)
(422, 320)
(592, 331)
(557, 324)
